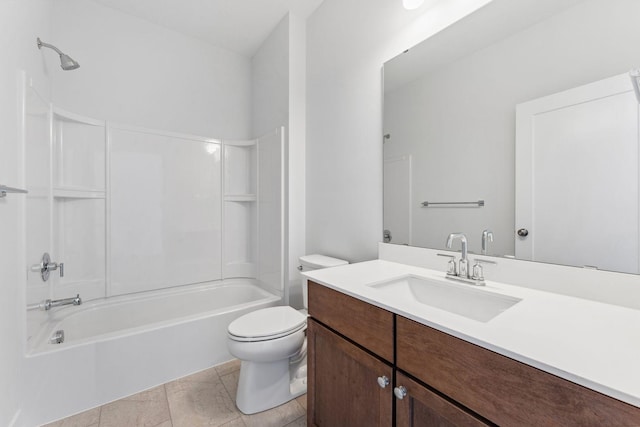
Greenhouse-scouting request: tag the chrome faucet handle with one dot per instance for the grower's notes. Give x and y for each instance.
(451, 265)
(478, 271)
(46, 266)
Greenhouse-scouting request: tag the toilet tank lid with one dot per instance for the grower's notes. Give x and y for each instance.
(321, 261)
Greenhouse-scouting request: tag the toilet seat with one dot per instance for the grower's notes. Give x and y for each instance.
(267, 324)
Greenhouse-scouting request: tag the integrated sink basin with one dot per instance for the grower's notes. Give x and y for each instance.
(461, 299)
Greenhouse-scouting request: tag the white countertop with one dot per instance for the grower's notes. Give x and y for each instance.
(593, 344)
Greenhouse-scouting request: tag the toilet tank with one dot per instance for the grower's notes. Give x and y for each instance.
(315, 262)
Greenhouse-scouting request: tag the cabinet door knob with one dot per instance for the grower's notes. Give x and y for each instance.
(400, 392)
(383, 381)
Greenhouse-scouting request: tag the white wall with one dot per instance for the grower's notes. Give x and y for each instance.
(348, 41)
(296, 153)
(21, 21)
(135, 72)
(270, 81)
(278, 98)
(588, 42)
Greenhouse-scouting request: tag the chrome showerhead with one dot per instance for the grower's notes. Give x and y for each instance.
(66, 62)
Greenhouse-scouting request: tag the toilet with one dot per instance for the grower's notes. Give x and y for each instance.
(272, 346)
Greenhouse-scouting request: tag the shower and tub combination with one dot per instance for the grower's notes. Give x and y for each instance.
(165, 239)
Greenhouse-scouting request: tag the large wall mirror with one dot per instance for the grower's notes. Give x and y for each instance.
(521, 120)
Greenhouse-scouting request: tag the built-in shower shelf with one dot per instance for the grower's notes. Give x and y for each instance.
(239, 269)
(67, 116)
(240, 198)
(77, 193)
(241, 143)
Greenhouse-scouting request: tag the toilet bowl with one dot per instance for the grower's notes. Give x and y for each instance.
(271, 346)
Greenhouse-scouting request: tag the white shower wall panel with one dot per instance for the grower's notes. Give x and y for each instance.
(240, 165)
(271, 230)
(79, 153)
(37, 181)
(79, 242)
(240, 231)
(165, 210)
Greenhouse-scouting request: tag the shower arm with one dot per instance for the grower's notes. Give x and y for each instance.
(50, 46)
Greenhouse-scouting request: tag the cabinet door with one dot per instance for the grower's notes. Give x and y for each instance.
(416, 405)
(343, 383)
(500, 389)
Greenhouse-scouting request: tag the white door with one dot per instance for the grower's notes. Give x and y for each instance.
(577, 177)
(397, 199)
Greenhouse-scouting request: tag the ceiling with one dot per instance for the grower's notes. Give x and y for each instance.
(237, 25)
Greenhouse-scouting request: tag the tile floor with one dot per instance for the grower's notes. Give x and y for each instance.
(202, 399)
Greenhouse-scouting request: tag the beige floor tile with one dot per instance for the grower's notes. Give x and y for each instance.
(302, 400)
(200, 403)
(146, 409)
(206, 398)
(230, 382)
(300, 422)
(229, 367)
(235, 423)
(88, 418)
(276, 417)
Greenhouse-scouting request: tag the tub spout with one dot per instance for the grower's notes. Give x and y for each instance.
(49, 304)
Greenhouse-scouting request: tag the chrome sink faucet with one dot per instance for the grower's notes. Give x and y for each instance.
(487, 236)
(460, 272)
(463, 264)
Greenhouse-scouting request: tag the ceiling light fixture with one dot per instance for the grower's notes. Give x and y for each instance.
(412, 4)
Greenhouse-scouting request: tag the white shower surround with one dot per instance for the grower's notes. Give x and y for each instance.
(161, 327)
(136, 209)
(122, 345)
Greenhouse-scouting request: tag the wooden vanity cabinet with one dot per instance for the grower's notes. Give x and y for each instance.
(350, 354)
(500, 389)
(367, 325)
(448, 381)
(343, 378)
(421, 406)
(343, 383)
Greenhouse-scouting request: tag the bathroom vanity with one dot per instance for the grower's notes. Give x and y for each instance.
(381, 359)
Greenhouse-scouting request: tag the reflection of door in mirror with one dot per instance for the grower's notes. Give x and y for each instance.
(595, 220)
(397, 197)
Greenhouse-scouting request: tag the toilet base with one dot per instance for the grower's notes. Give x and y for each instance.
(265, 385)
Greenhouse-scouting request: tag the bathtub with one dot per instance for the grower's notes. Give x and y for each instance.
(122, 345)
